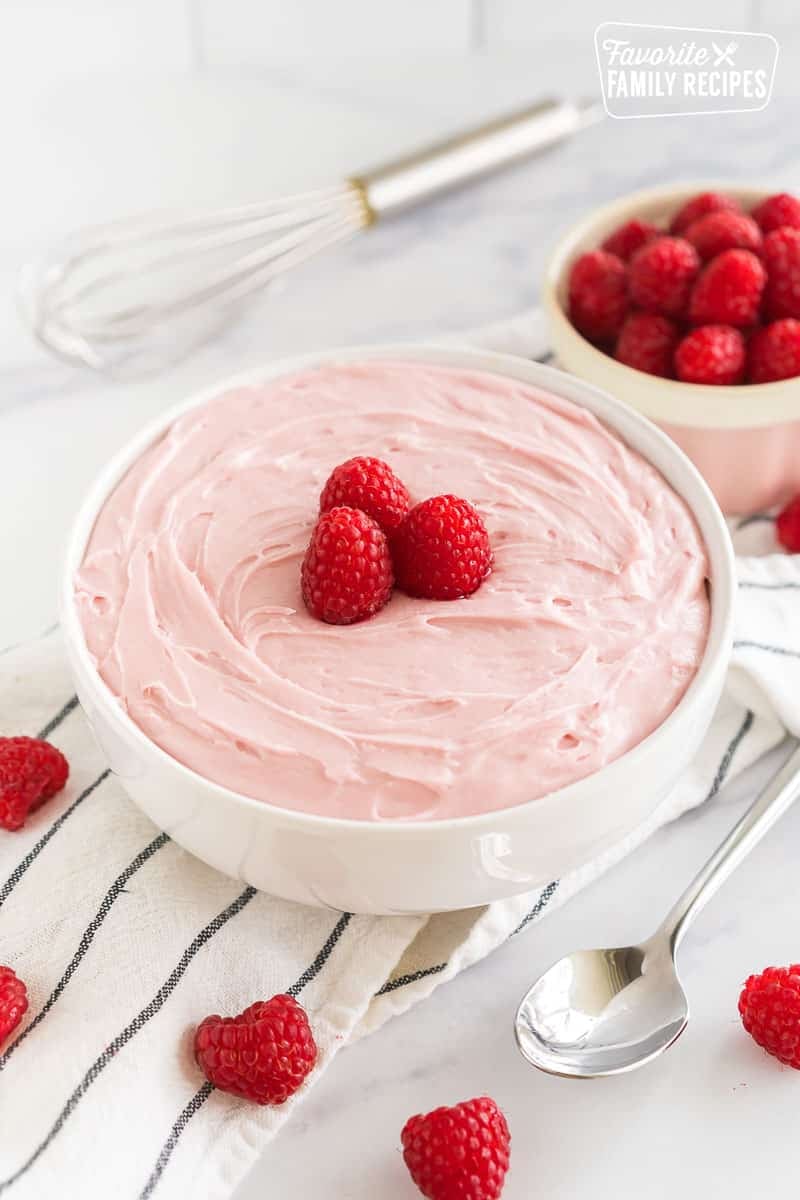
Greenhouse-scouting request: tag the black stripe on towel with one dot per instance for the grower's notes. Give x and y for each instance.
(755, 519)
(36, 850)
(60, 716)
(727, 758)
(539, 907)
(770, 649)
(129, 1032)
(88, 937)
(323, 956)
(392, 985)
(545, 358)
(199, 1098)
(195, 1104)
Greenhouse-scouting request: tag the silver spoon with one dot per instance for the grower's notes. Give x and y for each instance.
(604, 1012)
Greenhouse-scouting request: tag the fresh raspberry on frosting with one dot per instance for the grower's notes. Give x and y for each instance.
(782, 260)
(777, 211)
(13, 1002)
(264, 1054)
(630, 237)
(713, 354)
(31, 772)
(598, 295)
(774, 352)
(787, 526)
(724, 230)
(458, 1153)
(700, 206)
(662, 274)
(647, 342)
(769, 1006)
(371, 485)
(442, 550)
(729, 290)
(347, 570)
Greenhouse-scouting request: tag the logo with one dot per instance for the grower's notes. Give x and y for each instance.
(668, 71)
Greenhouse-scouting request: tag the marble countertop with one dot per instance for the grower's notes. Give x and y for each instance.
(715, 1112)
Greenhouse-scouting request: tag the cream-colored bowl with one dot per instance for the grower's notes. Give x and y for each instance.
(745, 440)
(413, 866)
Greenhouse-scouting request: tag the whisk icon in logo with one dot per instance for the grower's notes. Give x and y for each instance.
(664, 70)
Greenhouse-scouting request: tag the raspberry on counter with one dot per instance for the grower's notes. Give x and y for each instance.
(458, 1153)
(769, 1006)
(787, 526)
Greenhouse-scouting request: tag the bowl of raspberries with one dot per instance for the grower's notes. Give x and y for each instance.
(685, 303)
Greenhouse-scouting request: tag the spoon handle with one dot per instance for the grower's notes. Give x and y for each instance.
(771, 804)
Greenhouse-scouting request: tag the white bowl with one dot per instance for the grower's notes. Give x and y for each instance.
(413, 866)
(745, 440)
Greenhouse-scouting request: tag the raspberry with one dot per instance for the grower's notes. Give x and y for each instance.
(776, 211)
(770, 1010)
(662, 274)
(700, 206)
(711, 354)
(724, 230)
(13, 1002)
(630, 237)
(787, 526)
(442, 550)
(782, 260)
(347, 571)
(647, 342)
(729, 290)
(458, 1153)
(264, 1054)
(775, 352)
(31, 771)
(372, 486)
(598, 295)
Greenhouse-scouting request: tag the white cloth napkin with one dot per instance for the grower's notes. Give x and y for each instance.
(125, 941)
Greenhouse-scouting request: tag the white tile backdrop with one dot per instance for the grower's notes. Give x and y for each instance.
(59, 37)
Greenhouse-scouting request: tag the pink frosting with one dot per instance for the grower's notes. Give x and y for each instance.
(579, 644)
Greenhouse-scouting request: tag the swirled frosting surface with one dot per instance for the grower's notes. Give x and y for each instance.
(579, 644)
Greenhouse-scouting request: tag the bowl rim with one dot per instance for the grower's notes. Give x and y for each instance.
(621, 419)
(743, 406)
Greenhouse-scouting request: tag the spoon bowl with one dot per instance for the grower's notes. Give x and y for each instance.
(603, 1012)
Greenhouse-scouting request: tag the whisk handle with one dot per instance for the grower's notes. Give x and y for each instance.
(469, 155)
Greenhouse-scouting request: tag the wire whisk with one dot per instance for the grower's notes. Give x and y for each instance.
(136, 295)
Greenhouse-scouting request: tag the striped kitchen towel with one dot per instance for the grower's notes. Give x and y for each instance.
(125, 941)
